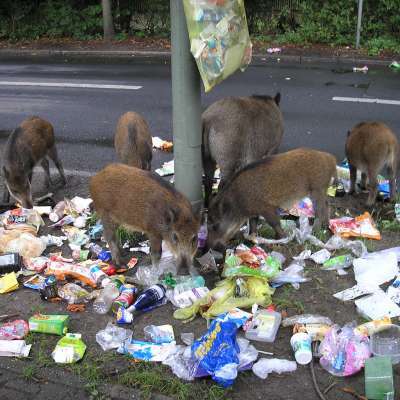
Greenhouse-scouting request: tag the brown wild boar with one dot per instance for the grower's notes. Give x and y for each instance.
(236, 132)
(30, 143)
(371, 146)
(142, 201)
(133, 142)
(260, 188)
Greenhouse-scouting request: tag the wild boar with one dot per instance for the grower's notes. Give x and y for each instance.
(30, 143)
(133, 142)
(261, 188)
(142, 201)
(236, 132)
(371, 146)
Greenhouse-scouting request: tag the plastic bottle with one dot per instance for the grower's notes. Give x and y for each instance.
(202, 235)
(150, 297)
(188, 282)
(58, 212)
(106, 297)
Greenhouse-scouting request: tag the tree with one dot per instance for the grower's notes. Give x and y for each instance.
(108, 26)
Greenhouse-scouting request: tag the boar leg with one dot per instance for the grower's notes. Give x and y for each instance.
(353, 177)
(46, 168)
(372, 182)
(6, 196)
(209, 170)
(272, 218)
(363, 184)
(321, 210)
(54, 156)
(110, 234)
(156, 249)
(253, 222)
(392, 183)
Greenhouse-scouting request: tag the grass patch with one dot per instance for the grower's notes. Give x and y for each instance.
(124, 236)
(389, 225)
(151, 378)
(28, 372)
(284, 301)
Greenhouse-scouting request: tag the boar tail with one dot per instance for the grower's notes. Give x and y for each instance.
(277, 98)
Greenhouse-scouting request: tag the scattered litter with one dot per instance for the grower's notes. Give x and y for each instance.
(53, 324)
(263, 326)
(343, 352)
(321, 256)
(395, 65)
(338, 264)
(14, 348)
(69, 349)
(217, 350)
(293, 274)
(272, 50)
(301, 345)
(36, 282)
(187, 338)
(147, 351)
(161, 144)
(10, 263)
(22, 220)
(363, 69)
(96, 231)
(112, 337)
(379, 378)
(265, 366)
(377, 305)
(306, 319)
(17, 329)
(159, 334)
(354, 292)
(385, 341)
(361, 226)
(8, 283)
(375, 269)
(166, 169)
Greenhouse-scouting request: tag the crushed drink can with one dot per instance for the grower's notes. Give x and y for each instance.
(126, 298)
(124, 316)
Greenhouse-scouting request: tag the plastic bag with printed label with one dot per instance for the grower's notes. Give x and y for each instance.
(219, 38)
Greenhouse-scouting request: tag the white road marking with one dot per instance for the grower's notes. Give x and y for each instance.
(70, 85)
(364, 100)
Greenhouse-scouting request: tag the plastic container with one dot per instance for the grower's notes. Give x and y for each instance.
(10, 263)
(148, 298)
(379, 379)
(106, 297)
(301, 345)
(387, 343)
(264, 326)
(99, 276)
(53, 324)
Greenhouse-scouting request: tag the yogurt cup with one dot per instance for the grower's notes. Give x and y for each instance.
(301, 345)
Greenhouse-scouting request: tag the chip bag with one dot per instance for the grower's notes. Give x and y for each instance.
(361, 226)
(219, 38)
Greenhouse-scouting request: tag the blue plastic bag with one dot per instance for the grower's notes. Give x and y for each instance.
(217, 350)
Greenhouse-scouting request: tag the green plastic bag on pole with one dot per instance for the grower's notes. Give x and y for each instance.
(219, 38)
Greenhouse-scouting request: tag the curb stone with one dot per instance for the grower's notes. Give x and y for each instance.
(152, 56)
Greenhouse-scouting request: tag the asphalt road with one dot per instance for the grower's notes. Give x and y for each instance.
(84, 118)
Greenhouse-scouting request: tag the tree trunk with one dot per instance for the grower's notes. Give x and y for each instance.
(108, 26)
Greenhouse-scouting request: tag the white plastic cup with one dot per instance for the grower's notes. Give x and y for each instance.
(301, 345)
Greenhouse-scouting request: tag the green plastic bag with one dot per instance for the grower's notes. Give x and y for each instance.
(69, 349)
(219, 38)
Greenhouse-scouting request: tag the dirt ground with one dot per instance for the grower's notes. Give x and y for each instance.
(97, 367)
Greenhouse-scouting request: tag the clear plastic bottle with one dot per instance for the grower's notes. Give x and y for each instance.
(188, 282)
(150, 297)
(106, 297)
(58, 212)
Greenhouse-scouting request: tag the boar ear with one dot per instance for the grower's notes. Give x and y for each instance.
(348, 133)
(171, 215)
(277, 98)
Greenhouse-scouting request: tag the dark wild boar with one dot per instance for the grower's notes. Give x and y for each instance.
(142, 201)
(370, 147)
(133, 142)
(260, 188)
(32, 142)
(236, 132)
